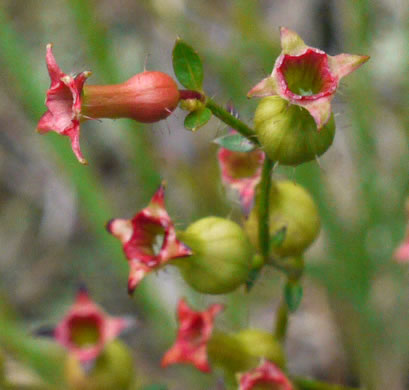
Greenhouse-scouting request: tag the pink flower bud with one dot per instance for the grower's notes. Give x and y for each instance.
(306, 76)
(86, 329)
(148, 239)
(266, 376)
(195, 330)
(401, 254)
(146, 97)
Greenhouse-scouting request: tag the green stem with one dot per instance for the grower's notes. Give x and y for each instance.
(311, 384)
(231, 120)
(281, 324)
(263, 209)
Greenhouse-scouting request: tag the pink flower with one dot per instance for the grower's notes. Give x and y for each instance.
(307, 76)
(146, 97)
(242, 172)
(267, 375)
(149, 239)
(195, 329)
(401, 254)
(86, 328)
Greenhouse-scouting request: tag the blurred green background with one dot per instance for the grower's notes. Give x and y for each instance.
(352, 326)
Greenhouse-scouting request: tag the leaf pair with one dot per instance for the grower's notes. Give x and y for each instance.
(188, 69)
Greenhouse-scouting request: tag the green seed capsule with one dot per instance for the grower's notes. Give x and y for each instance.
(288, 133)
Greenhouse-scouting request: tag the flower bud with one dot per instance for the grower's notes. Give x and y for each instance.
(221, 258)
(288, 133)
(146, 97)
(113, 369)
(292, 207)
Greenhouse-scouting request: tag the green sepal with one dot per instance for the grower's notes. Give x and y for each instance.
(187, 65)
(197, 119)
(235, 143)
(254, 274)
(293, 293)
(278, 238)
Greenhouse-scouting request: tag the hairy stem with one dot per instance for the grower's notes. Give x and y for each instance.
(231, 120)
(281, 323)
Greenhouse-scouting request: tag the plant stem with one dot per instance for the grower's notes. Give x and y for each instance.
(263, 209)
(232, 121)
(311, 384)
(281, 324)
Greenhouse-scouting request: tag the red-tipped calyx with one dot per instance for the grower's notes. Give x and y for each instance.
(306, 76)
(195, 330)
(266, 376)
(86, 328)
(148, 239)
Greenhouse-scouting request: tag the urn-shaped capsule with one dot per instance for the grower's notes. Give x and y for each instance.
(221, 256)
(290, 207)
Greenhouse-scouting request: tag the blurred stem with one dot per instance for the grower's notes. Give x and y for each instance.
(281, 324)
(263, 209)
(311, 384)
(231, 120)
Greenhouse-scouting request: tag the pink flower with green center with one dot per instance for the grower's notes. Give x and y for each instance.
(86, 328)
(148, 239)
(146, 97)
(306, 76)
(195, 330)
(266, 376)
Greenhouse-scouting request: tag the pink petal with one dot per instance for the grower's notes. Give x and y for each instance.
(343, 64)
(266, 87)
(319, 109)
(291, 43)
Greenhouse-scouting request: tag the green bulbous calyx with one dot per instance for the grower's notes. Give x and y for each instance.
(288, 133)
(113, 370)
(239, 352)
(290, 207)
(222, 256)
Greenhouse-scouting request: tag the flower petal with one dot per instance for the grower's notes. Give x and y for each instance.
(291, 43)
(266, 87)
(343, 64)
(319, 109)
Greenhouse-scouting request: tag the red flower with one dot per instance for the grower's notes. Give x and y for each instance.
(64, 100)
(149, 239)
(242, 172)
(267, 375)
(195, 329)
(145, 97)
(86, 328)
(307, 76)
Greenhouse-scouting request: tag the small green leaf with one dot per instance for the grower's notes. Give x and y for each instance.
(197, 119)
(293, 294)
(278, 238)
(235, 142)
(187, 65)
(155, 387)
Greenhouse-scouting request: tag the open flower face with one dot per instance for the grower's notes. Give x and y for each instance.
(242, 172)
(307, 76)
(265, 377)
(86, 328)
(195, 329)
(64, 100)
(149, 239)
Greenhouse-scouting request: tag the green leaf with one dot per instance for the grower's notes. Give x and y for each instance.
(235, 142)
(187, 65)
(278, 238)
(197, 119)
(293, 294)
